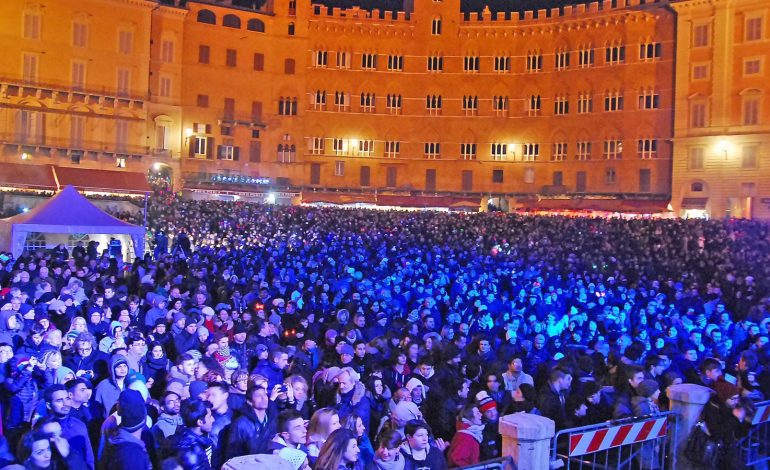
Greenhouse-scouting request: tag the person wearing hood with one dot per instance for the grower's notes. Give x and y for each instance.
(10, 326)
(169, 418)
(465, 448)
(113, 340)
(126, 450)
(108, 391)
(156, 312)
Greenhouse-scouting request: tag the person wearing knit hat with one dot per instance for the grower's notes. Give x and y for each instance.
(485, 402)
(295, 457)
(126, 449)
(726, 391)
(645, 403)
(647, 388)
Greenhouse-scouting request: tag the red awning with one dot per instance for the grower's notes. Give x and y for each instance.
(309, 197)
(85, 179)
(26, 175)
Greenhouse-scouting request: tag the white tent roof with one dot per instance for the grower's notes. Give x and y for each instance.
(66, 212)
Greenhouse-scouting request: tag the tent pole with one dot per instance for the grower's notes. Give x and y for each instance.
(146, 197)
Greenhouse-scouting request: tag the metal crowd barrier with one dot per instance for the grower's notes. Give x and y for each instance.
(647, 443)
(502, 463)
(755, 447)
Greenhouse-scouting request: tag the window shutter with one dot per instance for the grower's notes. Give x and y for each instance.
(210, 148)
(219, 152)
(208, 128)
(255, 151)
(236, 153)
(191, 149)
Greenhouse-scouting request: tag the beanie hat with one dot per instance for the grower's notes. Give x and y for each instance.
(132, 410)
(485, 402)
(240, 328)
(294, 456)
(178, 316)
(74, 335)
(85, 336)
(346, 349)
(197, 387)
(113, 326)
(117, 360)
(647, 388)
(725, 390)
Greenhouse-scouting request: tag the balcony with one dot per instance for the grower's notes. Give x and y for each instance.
(41, 144)
(65, 92)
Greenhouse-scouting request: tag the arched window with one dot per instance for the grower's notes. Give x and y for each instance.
(255, 25)
(696, 187)
(207, 16)
(231, 21)
(34, 242)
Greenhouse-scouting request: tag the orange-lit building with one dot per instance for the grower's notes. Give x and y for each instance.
(567, 108)
(722, 125)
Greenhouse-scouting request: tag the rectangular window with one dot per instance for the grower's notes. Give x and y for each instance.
(317, 145)
(289, 66)
(498, 176)
(529, 175)
(391, 177)
(562, 59)
(80, 34)
(701, 35)
(124, 82)
(615, 54)
(613, 101)
(435, 64)
(698, 115)
(468, 151)
(585, 102)
(561, 105)
(650, 51)
(200, 146)
(203, 54)
(609, 176)
(164, 89)
(580, 182)
(340, 146)
(502, 64)
(369, 61)
(432, 150)
(31, 26)
(29, 68)
(700, 72)
(167, 50)
(77, 131)
(125, 42)
(645, 177)
(392, 149)
(430, 180)
(585, 56)
(121, 135)
(695, 158)
(255, 151)
(315, 173)
(534, 62)
(583, 151)
(343, 60)
(559, 152)
(752, 66)
(78, 75)
(365, 176)
(754, 29)
(256, 111)
(499, 152)
(203, 101)
(467, 180)
(557, 179)
(471, 64)
(647, 148)
(365, 148)
(259, 62)
(30, 127)
(229, 109)
(750, 110)
(339, 168)
(613, 149)
(226, 152)
(120, 162)
(393, 104)
(231, 58)
(161, 137)
(395, 63)
(530, 152)
(749, 156)
(320, 59)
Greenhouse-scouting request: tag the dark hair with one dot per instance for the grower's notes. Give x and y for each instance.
(184, 358)
(222, 386)
(285, 417)
(710, 364)
(168, 394)
(24, 449)
(390, 439)
(414, 425)
(330, 455)
(466, 412)
(49, 391)
(193, 410)
(276, 352)
(71, 384)
(133, 337)
(558, 373)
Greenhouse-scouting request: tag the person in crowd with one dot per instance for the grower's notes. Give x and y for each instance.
(192, 442)
(418, 451)
(251, 431)
(126, 450)
(465, 448)
(73, 430)
(388, 456)
(324, 422)
(340, 451)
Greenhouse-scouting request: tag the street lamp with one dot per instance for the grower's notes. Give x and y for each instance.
(724, 147)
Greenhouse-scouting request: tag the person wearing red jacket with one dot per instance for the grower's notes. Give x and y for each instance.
(465, 448)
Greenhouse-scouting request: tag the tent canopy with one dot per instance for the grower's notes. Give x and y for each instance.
(67, 212)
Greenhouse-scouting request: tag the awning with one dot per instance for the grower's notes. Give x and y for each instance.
(604, 205)
(309, 197)
(428, 201)
(29, 176)
(85, 179)
(694, 202)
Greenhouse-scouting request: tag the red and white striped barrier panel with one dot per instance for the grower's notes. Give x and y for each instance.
(762, 415)
(602, 439)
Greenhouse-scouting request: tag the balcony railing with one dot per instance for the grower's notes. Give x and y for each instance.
(85, 146)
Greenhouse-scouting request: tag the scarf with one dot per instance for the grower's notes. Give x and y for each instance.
(397, 464)
(474, 430)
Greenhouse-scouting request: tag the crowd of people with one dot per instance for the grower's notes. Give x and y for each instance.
(351, 339)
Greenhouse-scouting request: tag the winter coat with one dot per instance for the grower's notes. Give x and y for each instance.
(125, 452)
(355, 401)
(434, 460)
(191, 448)
(249, 436)
(465, 448)
(108, 391)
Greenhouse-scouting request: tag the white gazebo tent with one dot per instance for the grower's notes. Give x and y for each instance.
(69, 213)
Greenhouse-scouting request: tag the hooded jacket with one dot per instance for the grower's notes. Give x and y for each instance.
(465, 448)
(108, 391)
(6, 335)
(125, 452)
(355, 401)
